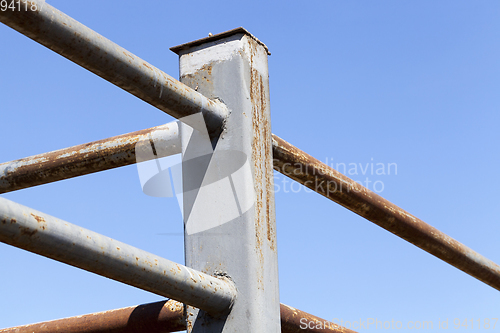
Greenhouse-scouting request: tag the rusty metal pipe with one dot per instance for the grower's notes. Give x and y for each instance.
(86, 158)
(71, 39)
(158, 317)
(310, 172)
(163, 317)
(296, 321)
(48, 236)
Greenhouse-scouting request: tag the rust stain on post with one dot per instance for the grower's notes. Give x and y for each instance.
(305, 169)
(261, 153)
(257, 159)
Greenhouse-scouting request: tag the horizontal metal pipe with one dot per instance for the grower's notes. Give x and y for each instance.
(48, 236)
(162, 317)
(310, 172)
(71, 39)
(86, 158)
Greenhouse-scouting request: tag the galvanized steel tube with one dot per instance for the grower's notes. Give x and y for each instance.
(86, 158)
(71, 39)
(319, 177)
(48, 236)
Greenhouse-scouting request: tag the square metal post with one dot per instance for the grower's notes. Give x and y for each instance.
(228, 188)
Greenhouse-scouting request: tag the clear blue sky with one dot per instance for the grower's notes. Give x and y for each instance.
(415, 83)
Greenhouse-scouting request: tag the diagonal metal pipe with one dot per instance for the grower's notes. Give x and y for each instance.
(85, 47)
(319, 177)
(48, 236)
(86, 158)
(158, 317)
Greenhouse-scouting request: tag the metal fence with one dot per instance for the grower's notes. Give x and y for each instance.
(228, 152)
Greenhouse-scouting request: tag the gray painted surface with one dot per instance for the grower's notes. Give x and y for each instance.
(230, 219)
(48, 236)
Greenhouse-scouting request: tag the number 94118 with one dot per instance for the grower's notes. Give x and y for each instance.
(18, 5)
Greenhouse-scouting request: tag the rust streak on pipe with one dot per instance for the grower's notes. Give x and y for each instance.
(163, 317)
(305, 169)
